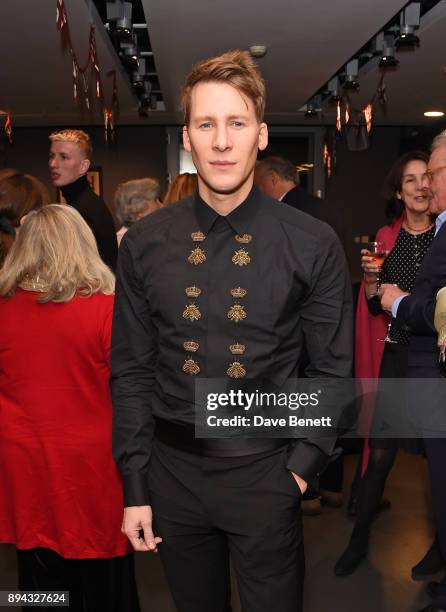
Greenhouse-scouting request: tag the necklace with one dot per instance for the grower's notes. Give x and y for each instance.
(414, 229)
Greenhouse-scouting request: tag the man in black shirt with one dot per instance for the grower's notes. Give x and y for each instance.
(69, 162)
(224, 284)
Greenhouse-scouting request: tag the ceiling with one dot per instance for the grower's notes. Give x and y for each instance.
(308, 41)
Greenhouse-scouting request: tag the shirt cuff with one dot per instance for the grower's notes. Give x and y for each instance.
(395, 305)
(307, 461)
(136, 490)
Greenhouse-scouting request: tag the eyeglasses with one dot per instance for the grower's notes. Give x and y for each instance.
(431, 173)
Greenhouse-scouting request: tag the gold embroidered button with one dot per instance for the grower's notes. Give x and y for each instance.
(236, 370)
(237, 348)
(193, 292)
(192, 312)
(190, 366)
(244, 239)
(198, 236)
(197, 256)
(191, 346)
(237, 313)
(241, 258)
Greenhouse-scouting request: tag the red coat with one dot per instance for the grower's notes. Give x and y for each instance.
(59, 487)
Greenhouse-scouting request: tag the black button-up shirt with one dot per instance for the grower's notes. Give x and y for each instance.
(297, 294)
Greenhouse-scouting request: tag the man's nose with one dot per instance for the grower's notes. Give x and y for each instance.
(221, 138)
(52, 162)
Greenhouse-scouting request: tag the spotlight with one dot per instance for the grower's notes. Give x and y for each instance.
(333, 88)
(388, 61)
(407, 39)
(351, 71)
(351, 84)
(311, 112)
(409, 22)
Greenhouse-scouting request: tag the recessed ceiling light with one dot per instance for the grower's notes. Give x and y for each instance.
(434, 114)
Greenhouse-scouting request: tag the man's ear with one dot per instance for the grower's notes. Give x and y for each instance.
(85, 164)
(186, 140)
(263, 136)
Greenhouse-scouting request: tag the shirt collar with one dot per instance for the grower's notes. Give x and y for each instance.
(440, 220)
(239, 219)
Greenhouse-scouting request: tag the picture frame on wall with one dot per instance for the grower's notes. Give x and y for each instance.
(94, 177)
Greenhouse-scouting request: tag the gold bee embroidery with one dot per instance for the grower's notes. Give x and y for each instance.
(197, 256)
(241, 258)
(244, 239)
(192, 312)
(237, 313)
(198, 236)
(190, 366)
(236, 370)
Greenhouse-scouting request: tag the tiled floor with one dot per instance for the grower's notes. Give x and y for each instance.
(381, 584)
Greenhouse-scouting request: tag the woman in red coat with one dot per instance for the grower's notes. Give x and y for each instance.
(60, 494)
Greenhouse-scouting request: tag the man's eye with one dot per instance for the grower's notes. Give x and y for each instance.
(238, 124)
(205, 125)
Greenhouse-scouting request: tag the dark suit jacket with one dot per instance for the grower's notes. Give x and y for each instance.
(300, 199)
(416, 311)
(95, 212)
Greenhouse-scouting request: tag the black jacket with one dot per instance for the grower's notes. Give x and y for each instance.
(95, 212)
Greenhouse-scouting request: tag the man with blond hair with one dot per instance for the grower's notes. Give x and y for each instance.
(416, 313)
(69, 161)
(224, 284)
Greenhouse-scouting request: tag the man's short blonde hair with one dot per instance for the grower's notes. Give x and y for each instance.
(82, 139)
(235, 68)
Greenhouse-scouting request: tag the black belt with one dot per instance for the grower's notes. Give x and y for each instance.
(183, 438)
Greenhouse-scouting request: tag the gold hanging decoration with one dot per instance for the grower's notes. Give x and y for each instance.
(193, 292)
(198, 236)
(191, 346)
(237, 348)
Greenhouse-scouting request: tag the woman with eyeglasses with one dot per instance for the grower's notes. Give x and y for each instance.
(381, 348)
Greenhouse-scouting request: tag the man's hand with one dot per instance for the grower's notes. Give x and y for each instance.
(137, 526)
(388, 294)
(301, 483)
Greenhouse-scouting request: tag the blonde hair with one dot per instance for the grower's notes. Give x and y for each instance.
(235, 68)
(181, 187)
(79, 137)
(55, 245)
(133, 197)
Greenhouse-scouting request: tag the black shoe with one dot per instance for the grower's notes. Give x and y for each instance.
(355, 552)
(431, 563)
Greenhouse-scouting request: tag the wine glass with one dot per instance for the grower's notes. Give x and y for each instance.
(377, 250)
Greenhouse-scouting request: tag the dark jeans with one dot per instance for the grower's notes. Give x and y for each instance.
(94, 584)
(207, 509)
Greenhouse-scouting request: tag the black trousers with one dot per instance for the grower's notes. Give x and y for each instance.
(208, 509)
(94, 584)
